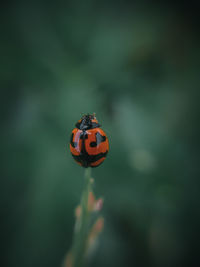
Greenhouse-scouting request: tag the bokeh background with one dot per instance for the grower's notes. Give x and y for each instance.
(134, 63)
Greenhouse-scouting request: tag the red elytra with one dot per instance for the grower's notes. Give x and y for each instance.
(89, 143)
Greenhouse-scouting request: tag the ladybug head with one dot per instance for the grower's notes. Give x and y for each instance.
(87, 122)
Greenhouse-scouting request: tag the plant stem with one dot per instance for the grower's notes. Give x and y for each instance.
(80, 240)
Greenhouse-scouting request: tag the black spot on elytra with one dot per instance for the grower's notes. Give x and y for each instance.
(73, 144)
(99, 138)
(86, 160)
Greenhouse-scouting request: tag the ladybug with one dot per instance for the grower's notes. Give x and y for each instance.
(89, 144)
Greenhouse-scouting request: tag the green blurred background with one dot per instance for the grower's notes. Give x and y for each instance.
(134, 63)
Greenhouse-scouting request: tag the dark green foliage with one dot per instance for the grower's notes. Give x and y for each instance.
(136, 65)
